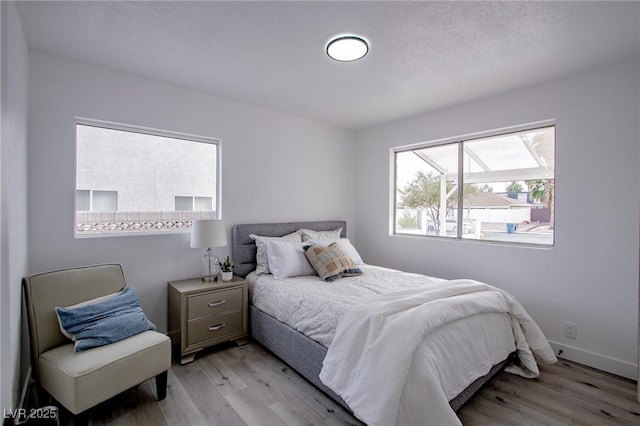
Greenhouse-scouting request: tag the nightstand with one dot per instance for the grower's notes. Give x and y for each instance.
(203, 314)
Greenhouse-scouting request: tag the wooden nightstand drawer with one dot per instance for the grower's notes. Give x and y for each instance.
(214, 303)
(214, 327)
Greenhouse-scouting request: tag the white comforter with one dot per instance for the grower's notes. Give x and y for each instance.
(382, 363)
(314, 307)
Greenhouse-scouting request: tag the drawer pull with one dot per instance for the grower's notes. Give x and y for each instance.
(217, 327)
(218, 303)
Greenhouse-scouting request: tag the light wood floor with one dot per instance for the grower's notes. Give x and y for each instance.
(247, 385)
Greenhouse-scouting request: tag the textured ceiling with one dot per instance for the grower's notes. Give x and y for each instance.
(423, 55)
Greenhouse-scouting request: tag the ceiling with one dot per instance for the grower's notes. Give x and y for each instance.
(423, 55)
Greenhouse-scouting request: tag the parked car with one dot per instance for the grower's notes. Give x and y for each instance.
(451, 226)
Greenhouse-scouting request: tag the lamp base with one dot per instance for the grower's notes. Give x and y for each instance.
(210, 267)
(208, 279)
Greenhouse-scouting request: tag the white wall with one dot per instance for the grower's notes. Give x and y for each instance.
(13, 205)
(275, 167)
(590, 277)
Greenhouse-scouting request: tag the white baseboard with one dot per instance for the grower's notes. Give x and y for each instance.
(592, 359)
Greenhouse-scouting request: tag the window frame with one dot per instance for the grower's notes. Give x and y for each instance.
(84, 121)
(459, 141)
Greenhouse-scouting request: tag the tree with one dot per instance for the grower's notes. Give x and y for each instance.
(407, 221)
(515, 187)
(423, 192)
(542, 190)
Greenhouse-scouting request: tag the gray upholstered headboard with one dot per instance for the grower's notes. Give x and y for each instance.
(243, 248)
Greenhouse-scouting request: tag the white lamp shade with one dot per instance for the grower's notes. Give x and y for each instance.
(208, 233)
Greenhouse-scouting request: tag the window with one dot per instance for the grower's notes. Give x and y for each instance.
(498, 187)
(138, 179)
(91, 200)
(193, 203)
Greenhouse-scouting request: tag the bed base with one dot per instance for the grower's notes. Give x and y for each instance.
(301, 353)
(305, 355)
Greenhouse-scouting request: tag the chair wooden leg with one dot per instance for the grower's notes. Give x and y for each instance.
(42, 396)
(81, 419)
(161, 385)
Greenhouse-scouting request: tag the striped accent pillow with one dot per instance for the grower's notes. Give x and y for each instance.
(331, 262)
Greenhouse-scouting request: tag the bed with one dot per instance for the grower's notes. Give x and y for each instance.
(305, 354)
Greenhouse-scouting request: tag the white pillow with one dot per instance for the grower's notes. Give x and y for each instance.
(287, 259)
(262, 262)
(308, 234)
(344, 244)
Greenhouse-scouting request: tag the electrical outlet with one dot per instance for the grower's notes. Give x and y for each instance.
(570, 330)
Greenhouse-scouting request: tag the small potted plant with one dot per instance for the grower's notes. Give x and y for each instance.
(226, 266)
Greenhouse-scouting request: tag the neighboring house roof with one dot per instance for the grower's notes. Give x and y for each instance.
(491, 200)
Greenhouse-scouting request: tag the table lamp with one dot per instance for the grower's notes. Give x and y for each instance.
(209, 233)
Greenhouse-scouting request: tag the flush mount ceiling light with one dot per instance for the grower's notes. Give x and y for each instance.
(347, 48)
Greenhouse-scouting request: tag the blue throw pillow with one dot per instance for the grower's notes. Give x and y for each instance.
(104, 320)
